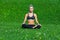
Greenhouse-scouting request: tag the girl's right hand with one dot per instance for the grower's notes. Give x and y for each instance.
(23, 23)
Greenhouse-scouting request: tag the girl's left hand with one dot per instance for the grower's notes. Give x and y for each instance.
(40, 24)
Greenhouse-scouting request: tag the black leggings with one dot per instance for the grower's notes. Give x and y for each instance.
(30, 26)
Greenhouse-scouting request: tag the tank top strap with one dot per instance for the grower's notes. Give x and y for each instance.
(33, 14)
(28, 13)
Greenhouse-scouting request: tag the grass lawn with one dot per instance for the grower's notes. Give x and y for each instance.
(13, 31)
(12, 14)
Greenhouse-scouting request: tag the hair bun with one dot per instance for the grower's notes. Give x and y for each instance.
(31, 5)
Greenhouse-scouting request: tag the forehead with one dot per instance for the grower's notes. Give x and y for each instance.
(31, 7)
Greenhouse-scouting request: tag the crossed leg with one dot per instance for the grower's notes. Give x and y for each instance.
(31, 26)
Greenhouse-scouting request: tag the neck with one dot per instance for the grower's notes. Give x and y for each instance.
(31, 12)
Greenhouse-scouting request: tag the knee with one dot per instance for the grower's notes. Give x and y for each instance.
(23, 25)
(38, 26)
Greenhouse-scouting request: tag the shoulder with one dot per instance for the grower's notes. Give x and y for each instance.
(35, 14)
(26, 14)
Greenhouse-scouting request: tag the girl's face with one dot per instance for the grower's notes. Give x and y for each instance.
(31, 9)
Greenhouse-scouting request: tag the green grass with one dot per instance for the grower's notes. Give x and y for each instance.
(12, 14)
(13, 31)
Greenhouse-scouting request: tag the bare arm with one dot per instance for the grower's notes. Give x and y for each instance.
(25, 19)
(36, 19)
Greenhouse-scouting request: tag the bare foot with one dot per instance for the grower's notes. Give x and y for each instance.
(35, 26)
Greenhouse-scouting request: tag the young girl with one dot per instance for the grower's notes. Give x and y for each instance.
(31, 17)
